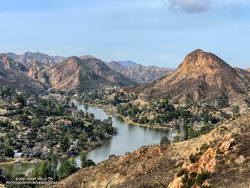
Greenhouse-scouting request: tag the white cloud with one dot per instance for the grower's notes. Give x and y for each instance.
(191, 6)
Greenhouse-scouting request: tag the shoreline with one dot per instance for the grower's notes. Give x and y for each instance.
(108, 109)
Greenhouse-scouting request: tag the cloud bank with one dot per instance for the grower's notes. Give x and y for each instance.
(191, 6)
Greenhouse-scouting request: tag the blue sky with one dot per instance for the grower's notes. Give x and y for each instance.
(150, 32)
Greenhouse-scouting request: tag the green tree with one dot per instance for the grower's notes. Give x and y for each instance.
(59, 110)
(37, 122)
(86, 107)
(42, 170)
(236, 111)
(82, 141)
(9, 152)
(66, 168)
(165, 140)
(83, 158)
(20, 99)
(64, 143)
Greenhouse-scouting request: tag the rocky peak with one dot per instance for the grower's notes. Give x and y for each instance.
(73, 59)
(202, 77)
(199, 61)
(84, 57)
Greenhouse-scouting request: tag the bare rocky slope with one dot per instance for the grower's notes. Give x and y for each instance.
(38, 71)
(13, 74)
(202, 77)
(218, 159)
(28, 57)
(85, 73)
(139, 73)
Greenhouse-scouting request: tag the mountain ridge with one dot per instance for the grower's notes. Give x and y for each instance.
(27, 57)
(139, 73)
(88, 72)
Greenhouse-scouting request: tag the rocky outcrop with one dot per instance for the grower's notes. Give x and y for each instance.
(14, 74)
(38, 71)
(8, 63)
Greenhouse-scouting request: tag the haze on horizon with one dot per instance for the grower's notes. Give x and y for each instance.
(159, 32)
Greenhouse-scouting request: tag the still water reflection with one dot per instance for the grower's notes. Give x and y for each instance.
(128, 139)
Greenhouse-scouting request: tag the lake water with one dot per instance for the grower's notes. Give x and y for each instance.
(129, 138)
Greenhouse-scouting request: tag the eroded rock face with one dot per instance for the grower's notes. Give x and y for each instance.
(8, 63)
(14, 74)
(207, 162)
(37, 71)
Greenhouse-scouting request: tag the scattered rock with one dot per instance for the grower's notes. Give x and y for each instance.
(240, 160)
(227, 144)
(177, 183)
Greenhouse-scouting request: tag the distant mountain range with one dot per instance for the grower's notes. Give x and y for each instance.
(128, 63)
(132, 70)
(139, 73)
(202, 77)
(27, 57)
(37, 71)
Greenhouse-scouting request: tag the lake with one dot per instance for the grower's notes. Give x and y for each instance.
(129, 138)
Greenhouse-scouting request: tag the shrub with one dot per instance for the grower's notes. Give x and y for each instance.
(83, 157)
(193, 174)
(201, 178)
(182, 172)
(193, 158)
(204, 147)
(165, 140)
(66, 168)
(89, 162)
